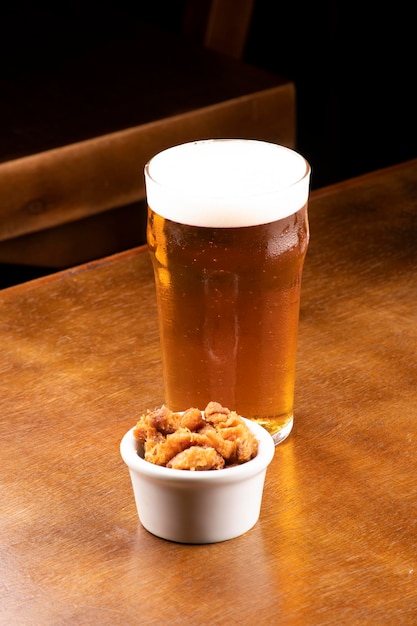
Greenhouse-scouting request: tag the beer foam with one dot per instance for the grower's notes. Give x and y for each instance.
(227, 183)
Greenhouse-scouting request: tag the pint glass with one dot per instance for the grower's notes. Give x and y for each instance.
(227, 233)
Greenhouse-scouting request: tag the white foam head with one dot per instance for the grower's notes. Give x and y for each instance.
(227, 183)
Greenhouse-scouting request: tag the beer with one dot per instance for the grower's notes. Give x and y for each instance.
(229, 295)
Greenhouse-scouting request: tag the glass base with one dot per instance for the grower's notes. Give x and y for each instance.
(282, 434)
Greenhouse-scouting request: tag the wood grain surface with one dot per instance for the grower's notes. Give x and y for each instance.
(336, 542)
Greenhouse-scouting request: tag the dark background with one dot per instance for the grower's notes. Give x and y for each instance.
(353, 65)
(354, 68)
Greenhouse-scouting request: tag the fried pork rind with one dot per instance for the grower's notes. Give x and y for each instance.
(192, 419)
(195, 441)
(197, 458)
(162, 451)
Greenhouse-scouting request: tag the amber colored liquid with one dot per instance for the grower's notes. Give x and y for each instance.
(228, 301)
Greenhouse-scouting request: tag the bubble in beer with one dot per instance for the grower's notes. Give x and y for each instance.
(227, 183)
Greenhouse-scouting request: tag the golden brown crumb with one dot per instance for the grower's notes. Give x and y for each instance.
(197, 458)
(195, 440)
(164, 450)
(192, 419)
(209, 437)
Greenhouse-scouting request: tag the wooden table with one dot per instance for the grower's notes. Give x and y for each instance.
(336, 542)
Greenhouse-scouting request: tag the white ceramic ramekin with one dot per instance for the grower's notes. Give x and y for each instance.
(198, 506)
